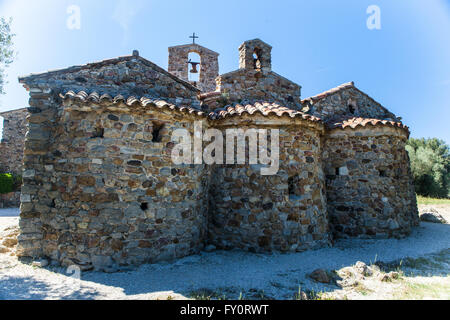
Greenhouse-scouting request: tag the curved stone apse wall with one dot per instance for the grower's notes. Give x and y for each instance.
(283, 212)
(113, 196)
(370, 191)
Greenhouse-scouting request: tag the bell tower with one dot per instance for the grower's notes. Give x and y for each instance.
(255, 55)
(208, 67)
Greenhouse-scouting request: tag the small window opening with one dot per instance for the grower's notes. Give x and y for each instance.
(351, 108)
(53, 204)
(156, 132)
(98, 133)
(257, 59)
(292, 185)
(337, 172)
(144, 206)
(382, 173)
(81, 79)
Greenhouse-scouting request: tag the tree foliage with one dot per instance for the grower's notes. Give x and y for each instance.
(6, 51)
(6, 183)
(430, 164)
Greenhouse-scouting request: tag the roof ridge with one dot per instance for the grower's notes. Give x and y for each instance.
(193, 45)
(105, 62)
(13, 110)
(75, 67)
(331, 91)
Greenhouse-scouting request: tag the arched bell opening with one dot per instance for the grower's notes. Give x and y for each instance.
(194, 68)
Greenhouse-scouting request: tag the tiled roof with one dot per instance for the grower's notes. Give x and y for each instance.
(330, 92)
(96, 98)
(264, 108)
(362, 122)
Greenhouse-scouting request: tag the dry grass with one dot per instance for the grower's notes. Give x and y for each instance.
(432, 201)
(424, 278)
(425, 288)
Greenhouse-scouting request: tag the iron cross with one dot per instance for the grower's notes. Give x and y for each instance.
(193, 37)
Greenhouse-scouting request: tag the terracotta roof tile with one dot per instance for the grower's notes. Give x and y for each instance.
(264, 108)
(209, 95)
(362, 122)
(96, 98)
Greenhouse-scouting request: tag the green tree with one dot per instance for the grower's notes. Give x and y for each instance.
(6, 51)
(430, 165)
(6, 183)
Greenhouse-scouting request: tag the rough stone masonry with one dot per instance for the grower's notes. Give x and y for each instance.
(11, 147)
(100, 190)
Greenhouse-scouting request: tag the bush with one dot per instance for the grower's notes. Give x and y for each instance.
(10, 183)
(430, 165)
(6, 183)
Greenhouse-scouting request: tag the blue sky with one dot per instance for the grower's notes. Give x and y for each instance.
(318, 44)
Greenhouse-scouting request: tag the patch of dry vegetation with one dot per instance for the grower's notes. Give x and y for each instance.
(432, 201)
(408, 279)
(8, 240)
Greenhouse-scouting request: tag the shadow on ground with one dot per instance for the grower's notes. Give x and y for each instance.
(29, 288)
(277, 276)
(10, 213)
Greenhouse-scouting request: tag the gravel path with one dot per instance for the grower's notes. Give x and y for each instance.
(232, 272)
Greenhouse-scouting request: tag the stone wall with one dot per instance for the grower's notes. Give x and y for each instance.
(10, 200)
(243, 86)
(36, 198)
(370, 189)
(48, 222)
(282, 212)
(11, 148)
(209, 65)
(255, 80)
(116, 199)
(100, 189)
(346, 100)
(255, 54)
(128, 76)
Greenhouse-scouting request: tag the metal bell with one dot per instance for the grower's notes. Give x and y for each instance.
(194, 67)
